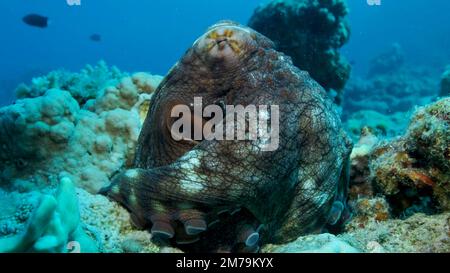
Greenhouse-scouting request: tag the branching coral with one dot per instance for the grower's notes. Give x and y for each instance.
(311, 32)
(85, 126)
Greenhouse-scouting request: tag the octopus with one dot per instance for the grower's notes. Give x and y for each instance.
(232, 195)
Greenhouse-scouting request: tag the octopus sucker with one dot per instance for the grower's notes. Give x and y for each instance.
(220, 195)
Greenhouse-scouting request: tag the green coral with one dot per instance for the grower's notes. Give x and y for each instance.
(54, 225)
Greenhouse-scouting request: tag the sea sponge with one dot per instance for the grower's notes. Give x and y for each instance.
(85, 126)
(311, 32)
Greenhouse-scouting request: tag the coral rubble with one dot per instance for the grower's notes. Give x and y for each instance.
(311, 32)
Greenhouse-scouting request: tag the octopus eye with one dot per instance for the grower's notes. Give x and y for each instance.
(213, 35)
(228, 33)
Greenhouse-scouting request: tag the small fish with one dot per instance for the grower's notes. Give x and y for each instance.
(96, 37)
(36, 20)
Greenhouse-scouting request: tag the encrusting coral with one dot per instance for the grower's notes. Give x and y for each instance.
(411, 171)
(415, 168)
(84, 125)
(311, 32)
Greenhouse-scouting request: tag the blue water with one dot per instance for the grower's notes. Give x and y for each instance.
(150, 35)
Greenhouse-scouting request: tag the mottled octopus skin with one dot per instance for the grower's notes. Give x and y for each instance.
(178, 188)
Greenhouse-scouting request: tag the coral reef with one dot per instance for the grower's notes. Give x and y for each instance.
(84, 125)
(392, 92)
(445, 83)
(384, 99)
(79, 129)
(414, 170)
(388, 62)
(311, 32)
(411, 172)
(178, 188)
(380, 124)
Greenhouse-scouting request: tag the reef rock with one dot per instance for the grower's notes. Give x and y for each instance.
(84, 125)
(179, 188)
(311, 32)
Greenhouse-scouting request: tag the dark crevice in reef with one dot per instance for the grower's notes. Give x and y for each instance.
(410, 201)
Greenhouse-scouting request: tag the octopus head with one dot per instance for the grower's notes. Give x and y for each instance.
(226, 43)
